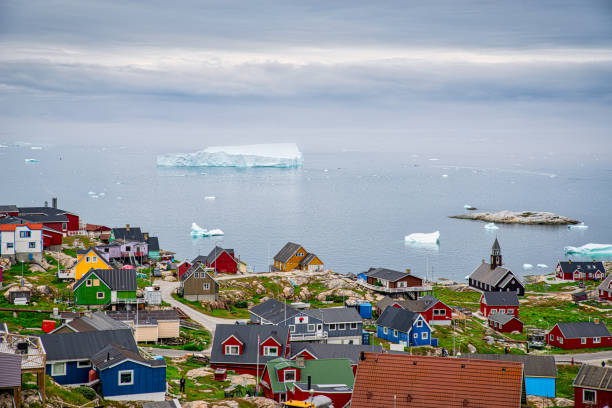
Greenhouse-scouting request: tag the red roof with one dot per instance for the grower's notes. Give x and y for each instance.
(94, 227)
(13, 227)
(402, 380)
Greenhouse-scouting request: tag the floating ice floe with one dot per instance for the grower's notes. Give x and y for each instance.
(101, 194)
(197, 231)
(210, 198)
(433, 159)
(491, 226)
(444, 175)
(92, 193)
(423, 238)
(469, 207)
(259, 155)
(31, 160)
(580, 226)
(36, 148)
(527, 266)
(2, 146)
(590, 250)
(94, 196)
(542, 266)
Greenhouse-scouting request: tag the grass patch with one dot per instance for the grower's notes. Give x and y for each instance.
(233, 313)
(469, 299)
(565, 378)
(545, 314)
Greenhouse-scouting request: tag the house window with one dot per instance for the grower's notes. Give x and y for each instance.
(332, 326)
(439, 312)
(99, 295)
(64, 226)
(420, 323)
(32, 245)
(493, 311)
(353, 326)
(341, 326)
(311, 327)
(395, 333)
(83, 364)
(58, 369)
(94, 259)
(552, 337)
(589, 396)
(126, 377)
(319, 327)
(289, 376)
(270, 351)
(560, 339)
(206, 286)
(292, 328)
(232, 350)
(415, 335)
(596, 339)
(25, 234)
(128, 248)
(583, 340)
(88, 282)
(87, 259)
(196, 275)
(385, 330)
(424, 335)
(9, 245)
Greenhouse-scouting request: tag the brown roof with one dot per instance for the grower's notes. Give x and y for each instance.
(420, 381)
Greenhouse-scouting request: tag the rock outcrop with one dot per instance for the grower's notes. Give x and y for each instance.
(519, 217)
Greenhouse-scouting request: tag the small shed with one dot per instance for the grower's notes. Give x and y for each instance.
(152, 296)
(220, 374)
(365, 310)
(21, 295)
(505, 323)
(580, 296)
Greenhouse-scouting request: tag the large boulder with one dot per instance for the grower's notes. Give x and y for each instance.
(564, 402)
(288, 292)
(44, 290)
(170, 278)
(65, 261)
(37, 268)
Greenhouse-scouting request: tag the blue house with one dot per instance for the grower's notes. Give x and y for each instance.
(399, 325)
(540, 371)
(126, 375)
(69, 354)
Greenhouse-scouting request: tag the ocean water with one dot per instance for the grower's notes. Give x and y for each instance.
(352, 209)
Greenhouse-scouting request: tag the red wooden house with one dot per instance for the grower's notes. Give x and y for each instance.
(499, 302)
(316, 351)
(245, 349)
(52, 217)
(573, 270)
(8, 211)
(433, 310)
(579, 335)
(593, 387)
(52, 238)
(604, 290)
(183, 267)
(222, 260)
(505, 323)
(392, 279)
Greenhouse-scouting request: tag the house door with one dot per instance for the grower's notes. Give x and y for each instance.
(114, 296)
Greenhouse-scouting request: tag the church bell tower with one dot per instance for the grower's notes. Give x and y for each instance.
(496, 256)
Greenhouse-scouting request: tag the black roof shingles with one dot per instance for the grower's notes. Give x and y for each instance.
(122, 280)
(574, 330)
(287, 252)
(534, 366)
(501, 298)
(114, 354)
(398, 319)
(82, 346)
(132, 234)
(386, 274)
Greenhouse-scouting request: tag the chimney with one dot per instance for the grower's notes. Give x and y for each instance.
(483, 260)
(108, 357)
(362, 356)
(309, 382)
(408, 271)
(127, 227)
(46, 203)
(54, 202)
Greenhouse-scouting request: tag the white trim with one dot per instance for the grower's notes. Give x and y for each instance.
(227, 347)
(237, 339)
(120, 372)
(87, 364)
(595, 395)
(150, 396)
(268, 338)
(266, 351)
(54, 374)
(294, 375)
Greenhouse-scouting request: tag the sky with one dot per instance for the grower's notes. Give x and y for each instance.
(389, 76)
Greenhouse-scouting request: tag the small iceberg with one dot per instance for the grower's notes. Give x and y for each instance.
(433, 159)
(92, 193)
(445, 176)
(590, 250)
(491, 226)
(542, 266)
(197, 231)
(36, 148)
(527, 266)
(469, 207)
(210, 198)
(580, 226)
(423, 238)
(31, 160)
(2, 146)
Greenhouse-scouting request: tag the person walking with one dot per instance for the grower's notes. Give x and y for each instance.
(182, 382)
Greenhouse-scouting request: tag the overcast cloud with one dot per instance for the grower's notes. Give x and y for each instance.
(358, 75)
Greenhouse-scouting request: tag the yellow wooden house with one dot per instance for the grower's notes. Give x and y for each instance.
(293, 256)
(88, 259)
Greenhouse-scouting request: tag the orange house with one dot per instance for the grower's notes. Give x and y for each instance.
(293, 256)
(88, 259)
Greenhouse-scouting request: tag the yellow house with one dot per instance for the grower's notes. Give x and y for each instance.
(294, 256)
(87, 259)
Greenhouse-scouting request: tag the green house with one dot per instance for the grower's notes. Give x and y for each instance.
(106, 286)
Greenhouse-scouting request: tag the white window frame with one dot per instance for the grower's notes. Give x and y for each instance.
(285, 375)
(332, 326)
(419, 323)
(583, 340)
(353, 326)
(385, 330)
(424, 335)
(88, 259)
(341, 326)
(267, 351)
(395, 333)
(292, 328)
(584, 391)
(89, 282)
(311, 327)
(415, 335)
(228, 350)
(83, 364)
(32, 245)
(58, 373)
(131, 372)
(596, 340)
(98, 295)
(196, 275)
(206, 286)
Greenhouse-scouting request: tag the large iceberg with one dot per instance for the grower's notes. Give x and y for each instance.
(590, 250)
(428, 238)
(197, 231)
(258, 155)
(491, 226)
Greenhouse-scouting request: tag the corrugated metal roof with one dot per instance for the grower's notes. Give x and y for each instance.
(122, 280)
(81, 346)
(10, 367)
(115, 354)
(534, 366)
(501, 298)
(287, 252)
(593, 376)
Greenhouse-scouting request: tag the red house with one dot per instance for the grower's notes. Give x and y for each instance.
(572, 270)
(592, 387)
(183, 267)
(245, 349)
(8, 211)
(604, 290)
(286, 380)
(499, 302)
(505, 323)
(316, 351)
(579, 335)
(391, 279)
(222, 260)
(52, 238)
(433, 310)
(52, 217)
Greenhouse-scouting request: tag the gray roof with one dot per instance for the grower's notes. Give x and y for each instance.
(273, 311)
(97, 321)
(96, 251)
(82, 346)
(501, 318)
(194, 268)
(214, 254)
(386, 274)
(133, 234)
(325, 350)
(10, 367)
(576, 330)
(307, 259)
(153, 243)
(47, 211)
(533, 366)
(144, 315)
(398, 319)
(592, 266)
(121, 280)
(501, 298)
(336, 314)
(43, 217)
(114, 354)
(594, 376)
(420, 305)
(247, 334)
(484, 273)
(287, 252)
(605, 284)
(8, 208)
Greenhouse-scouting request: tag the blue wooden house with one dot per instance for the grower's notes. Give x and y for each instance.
(69, 354)
(403, 326)
(127, 376)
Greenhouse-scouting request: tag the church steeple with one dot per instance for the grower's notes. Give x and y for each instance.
(496, 256)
